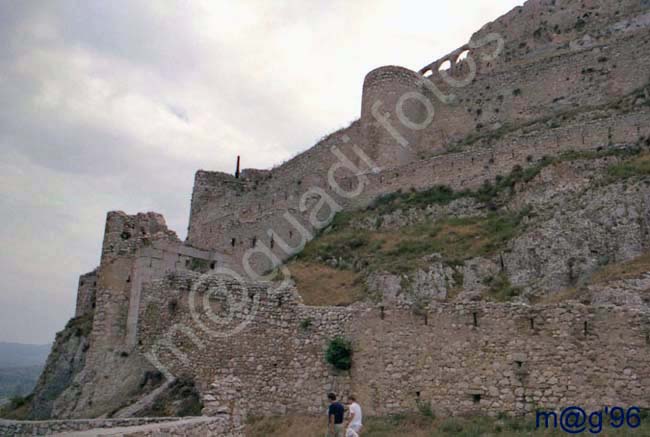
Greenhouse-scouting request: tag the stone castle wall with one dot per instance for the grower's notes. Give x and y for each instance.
(567, 77)
(86, 292)
(472, 357)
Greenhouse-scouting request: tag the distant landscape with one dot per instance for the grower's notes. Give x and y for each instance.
(20, 367)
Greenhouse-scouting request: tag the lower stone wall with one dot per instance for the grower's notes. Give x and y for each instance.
(47, 427)
(220, 426)
(256, 350)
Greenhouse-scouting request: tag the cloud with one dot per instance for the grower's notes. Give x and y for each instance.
(114, 105)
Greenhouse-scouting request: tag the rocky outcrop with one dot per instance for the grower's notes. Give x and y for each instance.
(64, 363)
(583, 233)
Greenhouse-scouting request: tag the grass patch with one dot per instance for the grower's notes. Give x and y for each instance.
(399, 252)
(17, 408)
(321, 285)
(638, 166)
(416, 425)
(626, 270)
(501, 290)
(439, 194)
(457, 239)
(332, 268)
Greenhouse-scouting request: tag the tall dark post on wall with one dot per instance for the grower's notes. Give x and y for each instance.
(237, 169)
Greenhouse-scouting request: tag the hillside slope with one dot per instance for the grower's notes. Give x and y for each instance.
(544, 232)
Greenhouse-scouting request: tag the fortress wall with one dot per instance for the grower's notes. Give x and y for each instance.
(137, 249)
(540, 26)
(394, 96)
(539, 85)
(124, 236)
(482, 161)
(485, 160)
(86, 293)
(246, 210)
(473, 357)
(567, 80)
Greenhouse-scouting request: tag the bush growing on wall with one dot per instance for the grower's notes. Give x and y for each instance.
(339, 353)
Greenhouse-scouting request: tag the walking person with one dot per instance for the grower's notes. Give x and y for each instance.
(355, 418)
(335, 415)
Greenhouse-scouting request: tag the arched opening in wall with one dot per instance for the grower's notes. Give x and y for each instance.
(428, 73)
(463, 55)
(213, 264)
(444, 66)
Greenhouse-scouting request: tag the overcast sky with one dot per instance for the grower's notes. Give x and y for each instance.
(113, 105)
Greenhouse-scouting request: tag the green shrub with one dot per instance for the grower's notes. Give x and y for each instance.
(626, 169)
(339, 353)
(425, 409)
(501, 289)
(17, 401)
(307, 323)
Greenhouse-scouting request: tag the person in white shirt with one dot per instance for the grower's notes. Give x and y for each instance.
(355, 417)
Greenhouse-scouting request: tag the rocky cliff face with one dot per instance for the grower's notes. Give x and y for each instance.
(66, 360)
(531, 235)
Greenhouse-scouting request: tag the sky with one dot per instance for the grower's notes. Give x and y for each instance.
(114, 106)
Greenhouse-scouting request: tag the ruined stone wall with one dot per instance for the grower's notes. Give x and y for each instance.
(487, 158)
(48, 427)
(171, 426)
(137, 249)
(478, 162)
(232, 215)
(86, 292)
(473, 357)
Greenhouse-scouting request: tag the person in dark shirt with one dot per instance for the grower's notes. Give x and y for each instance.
(335, 417)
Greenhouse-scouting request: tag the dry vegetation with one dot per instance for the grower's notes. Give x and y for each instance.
(611, 272)
(423, 426)
(323, 285)
(627, 270)
(355, 253)
(332, 268)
